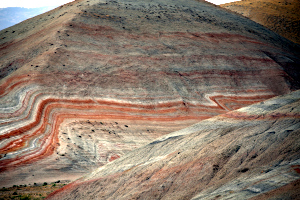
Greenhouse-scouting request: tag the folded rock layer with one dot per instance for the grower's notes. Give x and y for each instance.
(237, 155)
(89, 81)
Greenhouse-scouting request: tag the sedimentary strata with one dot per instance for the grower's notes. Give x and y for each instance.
(92, 80)
(222, 157)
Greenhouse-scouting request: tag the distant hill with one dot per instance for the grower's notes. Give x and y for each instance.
(282, 16)
(14, 15)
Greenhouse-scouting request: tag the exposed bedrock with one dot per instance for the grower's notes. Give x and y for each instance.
(86, 83)
(242, 154)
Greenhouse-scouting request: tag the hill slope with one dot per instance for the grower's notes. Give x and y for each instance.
(88, 82)
(282, 16)
(237, 155)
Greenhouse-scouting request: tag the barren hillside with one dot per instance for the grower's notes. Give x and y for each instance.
(92, 80)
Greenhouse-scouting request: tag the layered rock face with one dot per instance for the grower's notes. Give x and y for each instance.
(92, 80)
(237, 155)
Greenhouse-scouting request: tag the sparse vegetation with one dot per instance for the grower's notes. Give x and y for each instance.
(4, 189)
(29, 192)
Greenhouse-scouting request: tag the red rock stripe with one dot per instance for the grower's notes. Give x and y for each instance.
(222, 100)
(162, 108)
(51, 104)
(59, 118)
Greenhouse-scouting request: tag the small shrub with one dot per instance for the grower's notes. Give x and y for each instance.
(15, 193)
(25, 197)
(4, 189)
(45, 183)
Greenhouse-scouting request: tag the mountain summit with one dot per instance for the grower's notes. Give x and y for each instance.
(86, 83)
